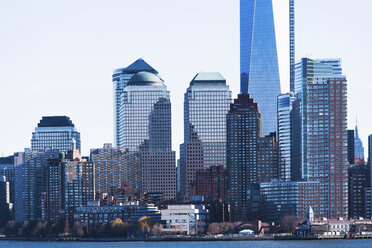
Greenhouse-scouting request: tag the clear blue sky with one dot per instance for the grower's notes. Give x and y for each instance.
(56, 57)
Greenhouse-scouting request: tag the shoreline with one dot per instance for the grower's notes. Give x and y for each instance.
(177, 239)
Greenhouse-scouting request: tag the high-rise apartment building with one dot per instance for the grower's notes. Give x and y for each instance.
(120, 80)
(206, 104)
(143, 90)
(55, 132)
(285, 107)
(31, 184)
(243, 134)
(350, 147)
(323, 103)
(113, 167)
(211, 183)
(78, 181)
(7, 170)
(6, 207)
(258, 59)
(359, 181)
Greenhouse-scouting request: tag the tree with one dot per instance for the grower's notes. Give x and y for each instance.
(289, 223)
(77, 229)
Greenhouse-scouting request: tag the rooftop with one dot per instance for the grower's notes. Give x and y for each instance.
(55, 121)
(138, 66)
(145, 78)
(208, 78)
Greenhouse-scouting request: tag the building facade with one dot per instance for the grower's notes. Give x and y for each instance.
(143, 90)
(211, 183)
(323, 112)
(350, 147)
(159, 161)
(258, 59)
(55, 132)
(185, 219)
(31, 184)
(359, 148)
(113, 167)
(206, 104)
(243, 134)
(120, 78)
(7, 170)
(285, 107)
(359, 182)
(281, 199)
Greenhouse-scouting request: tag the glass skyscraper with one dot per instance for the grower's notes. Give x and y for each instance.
(120, 78)
(285, 106)
(258, 59)
(143, 90)
(206, 104)
(55, 132)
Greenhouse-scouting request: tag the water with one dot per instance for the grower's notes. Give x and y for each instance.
(233, 244)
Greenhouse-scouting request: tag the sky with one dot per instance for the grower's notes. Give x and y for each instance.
(57, 57)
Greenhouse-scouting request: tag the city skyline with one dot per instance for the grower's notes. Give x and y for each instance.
(37, 84)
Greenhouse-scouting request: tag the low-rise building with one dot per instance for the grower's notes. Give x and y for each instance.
(96, 215)
(333, 227)
(185, 219)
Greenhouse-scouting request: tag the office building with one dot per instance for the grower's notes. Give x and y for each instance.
(206, 104)
(113, 167)
(143, 90)
(258, 59)
(281, 199)
(185, 219)
(55, 132)
(359, 149)
(6, 207)
(350, 147)
(285, 107)
(120, 80)
(359, 181)
(159, 161)
(7, 170)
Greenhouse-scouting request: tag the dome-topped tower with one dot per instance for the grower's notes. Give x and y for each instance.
(145, 78)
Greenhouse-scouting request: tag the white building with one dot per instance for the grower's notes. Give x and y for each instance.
(185, 219)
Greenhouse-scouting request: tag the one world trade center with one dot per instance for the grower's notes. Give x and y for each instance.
(258, 59)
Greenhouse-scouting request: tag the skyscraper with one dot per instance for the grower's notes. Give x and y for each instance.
(350, 147)
(285, 106)
(143, 90)
(206, 104)
(120, 80)
(55, 132)
(31, 184)
(159, 161)
(243, 133)
(322, 96)
(292, 44)
(359, 149)
(258, 59)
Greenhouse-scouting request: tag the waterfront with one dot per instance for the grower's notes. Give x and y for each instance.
(221, 244)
